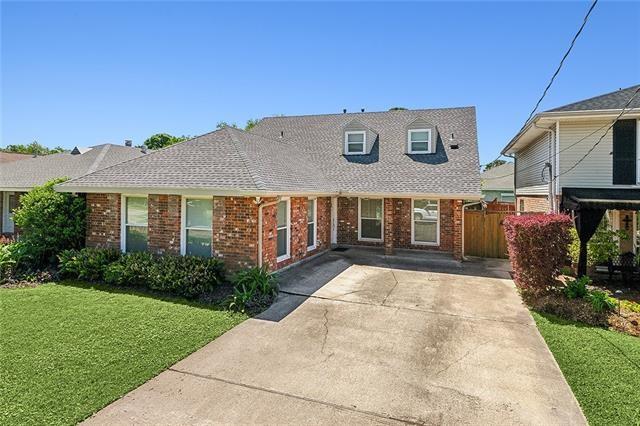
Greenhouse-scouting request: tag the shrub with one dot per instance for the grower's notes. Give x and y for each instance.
(253, 287)
(11, 256)
(537, 248)
(49, 222)
(601, 301)
(131, 270)
(577, 289)
(604, 244)
(88, 263)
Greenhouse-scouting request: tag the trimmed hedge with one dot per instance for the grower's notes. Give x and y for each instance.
(187, 276)
(538, 249)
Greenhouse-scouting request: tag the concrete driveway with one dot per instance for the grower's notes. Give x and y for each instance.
(357, 337)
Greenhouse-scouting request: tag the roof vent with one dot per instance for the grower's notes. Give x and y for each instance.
(361, 109)
(128, 142)
(75, 151)
(452, 142)
(344, 111)
(143, 149)
(281, 134)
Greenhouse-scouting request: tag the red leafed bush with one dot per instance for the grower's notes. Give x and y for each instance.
(538, 248)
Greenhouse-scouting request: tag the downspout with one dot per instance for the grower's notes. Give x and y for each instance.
(552, 197)
(261, 204)
(464, 207)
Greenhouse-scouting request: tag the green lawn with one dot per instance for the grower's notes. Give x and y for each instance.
(602, 367)
(68, 350)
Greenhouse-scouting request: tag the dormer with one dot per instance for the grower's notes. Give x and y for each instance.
(421, 137)
(358, 138)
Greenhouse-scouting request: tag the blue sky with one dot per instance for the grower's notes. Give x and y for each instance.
(86, 73)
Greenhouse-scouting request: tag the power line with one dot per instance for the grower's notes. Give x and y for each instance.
(555, 74)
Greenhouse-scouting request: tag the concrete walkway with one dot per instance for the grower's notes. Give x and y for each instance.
(357, 337)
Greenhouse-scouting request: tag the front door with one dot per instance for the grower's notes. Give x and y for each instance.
(8, 200)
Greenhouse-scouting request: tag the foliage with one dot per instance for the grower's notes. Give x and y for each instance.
(537, 249)
(223, 124)
(162, 140)
(33, 148)
(604, 244)
(7, 261)
(252, 287)
(577, 289)
(88, 263)
(630, 305)
(397, 109)
(70, 349)
(251, 123)
(600, 366)
(49, 223)
(188, 276)
(494, 163)
(601, 301)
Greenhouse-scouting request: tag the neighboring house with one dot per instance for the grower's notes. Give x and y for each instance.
(561, 165)
(19, 177)
(497, 184)
(10, 157)
(293, 187)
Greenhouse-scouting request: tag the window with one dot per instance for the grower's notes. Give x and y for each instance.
(354, 142)
(420, 141)
(135, 224)
(311, 224)
(370, 212)
(521, 205)
(425, 222)
(197, 226)
(283, 230)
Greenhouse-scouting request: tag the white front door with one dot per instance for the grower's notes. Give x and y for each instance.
(7, 215)
(334, 220)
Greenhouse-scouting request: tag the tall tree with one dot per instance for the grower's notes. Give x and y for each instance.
(251, 123)
(161, 140)
(223, 124)
(494, 163)
(33, 148)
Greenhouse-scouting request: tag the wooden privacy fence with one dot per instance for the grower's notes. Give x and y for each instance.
(483, 233)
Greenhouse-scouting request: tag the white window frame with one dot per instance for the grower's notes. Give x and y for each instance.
(360, 238)
(413, 234)
(410, 149)
(123, 219)
(288, 227)
(346, 142)
(183, 224)
(8, 226)
(315, 224)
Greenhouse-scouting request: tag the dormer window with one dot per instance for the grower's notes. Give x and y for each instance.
(419, 141)
(354, 142)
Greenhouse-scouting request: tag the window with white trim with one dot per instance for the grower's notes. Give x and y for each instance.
(419, 141)
(198, 229)
(283, 226)
(425, 222)
(354, 142)
(311, 224)
(371, 213)
(135, 224)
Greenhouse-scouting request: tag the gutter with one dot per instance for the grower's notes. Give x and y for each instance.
(261, 204)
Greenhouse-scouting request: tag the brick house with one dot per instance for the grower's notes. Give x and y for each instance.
(20, 173)
(294, 187)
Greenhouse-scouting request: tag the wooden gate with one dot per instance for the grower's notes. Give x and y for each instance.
(484, 235)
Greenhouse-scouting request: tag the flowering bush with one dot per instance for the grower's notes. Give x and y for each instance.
(538, 249)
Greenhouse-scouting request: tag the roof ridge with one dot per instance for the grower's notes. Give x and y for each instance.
(255, 178)
(592, 98)
(367, 112)
(96, 162)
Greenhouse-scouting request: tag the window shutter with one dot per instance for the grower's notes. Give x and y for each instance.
(624, 152)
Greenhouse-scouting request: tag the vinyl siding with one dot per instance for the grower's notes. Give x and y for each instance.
(597, 169)
(530, 164)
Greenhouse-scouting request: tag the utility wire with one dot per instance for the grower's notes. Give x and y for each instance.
(555, 74)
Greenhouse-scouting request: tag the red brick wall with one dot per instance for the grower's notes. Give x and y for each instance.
(298, 233)
(397, 226)
(164, 223)
(103, 220)
(235, 231)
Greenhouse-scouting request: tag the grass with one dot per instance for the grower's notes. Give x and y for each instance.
(69, 350)
(601, 366)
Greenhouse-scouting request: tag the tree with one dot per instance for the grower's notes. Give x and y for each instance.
(494, 163)
(397, 109)
(161, 140)
(251, 123)
(223, 124)
(34, 148)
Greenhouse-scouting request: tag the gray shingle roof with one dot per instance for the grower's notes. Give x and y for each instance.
(309, 158)
(228, 159)
(613, 100)
(499, 178)
(388, 169)
(38, 170)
